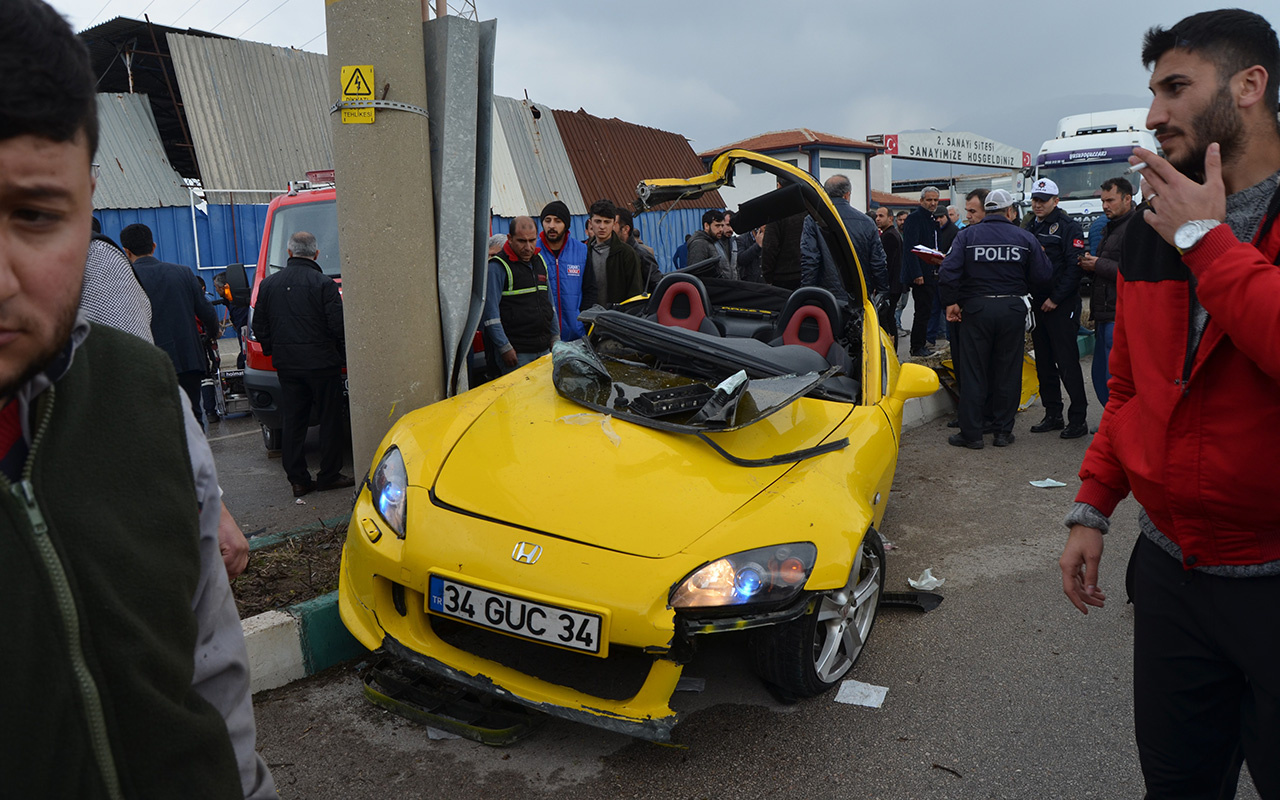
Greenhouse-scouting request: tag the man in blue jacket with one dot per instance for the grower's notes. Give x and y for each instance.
(572, 286)
(1057, 312)
(177, 300)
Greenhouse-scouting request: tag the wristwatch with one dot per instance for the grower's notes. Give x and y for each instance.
(1191, 232)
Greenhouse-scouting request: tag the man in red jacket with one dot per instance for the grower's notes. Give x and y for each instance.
(1192, 427)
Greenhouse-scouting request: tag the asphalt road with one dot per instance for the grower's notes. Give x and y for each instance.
(1005, 691)
(253, 483)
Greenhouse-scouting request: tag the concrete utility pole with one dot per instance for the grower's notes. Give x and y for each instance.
(385, 220)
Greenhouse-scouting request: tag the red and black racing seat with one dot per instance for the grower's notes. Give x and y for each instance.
(811, 318)
(681, 301)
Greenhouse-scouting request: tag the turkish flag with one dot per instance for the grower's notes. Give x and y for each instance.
(1026, 159)
(891, 145)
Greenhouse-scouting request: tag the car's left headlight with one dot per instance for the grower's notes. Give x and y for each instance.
(389, 487)
(764, 575)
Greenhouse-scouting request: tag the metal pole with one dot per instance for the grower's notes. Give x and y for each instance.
(385, 222)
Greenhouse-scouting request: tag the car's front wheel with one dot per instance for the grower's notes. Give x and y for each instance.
(810, 655)
(271, 437)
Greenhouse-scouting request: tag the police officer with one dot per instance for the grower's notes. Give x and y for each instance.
(1057, 310)
(991, 266)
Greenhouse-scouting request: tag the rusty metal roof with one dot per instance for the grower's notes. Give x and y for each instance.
(611, 157)
(794, 139)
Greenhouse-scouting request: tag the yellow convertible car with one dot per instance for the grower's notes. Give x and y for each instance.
(714, 457)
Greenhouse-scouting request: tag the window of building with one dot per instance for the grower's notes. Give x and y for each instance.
(793, 162)
(840, 163)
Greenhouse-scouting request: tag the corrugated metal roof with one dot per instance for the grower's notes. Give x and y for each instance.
(135, 172)
(611, 157)
(505, 197)
(259, 115)
(538, 154)
(793, 139)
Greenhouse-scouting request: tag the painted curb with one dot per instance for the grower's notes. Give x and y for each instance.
(919, 410)
(300, 641)
(309, 637)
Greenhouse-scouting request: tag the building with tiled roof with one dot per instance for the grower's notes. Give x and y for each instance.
(820, 154)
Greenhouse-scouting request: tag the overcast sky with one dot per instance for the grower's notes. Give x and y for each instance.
(720, 72)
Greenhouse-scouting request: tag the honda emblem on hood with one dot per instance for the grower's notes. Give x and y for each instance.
(526, 552)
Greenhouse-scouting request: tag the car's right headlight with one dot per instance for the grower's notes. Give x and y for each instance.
(389, 486)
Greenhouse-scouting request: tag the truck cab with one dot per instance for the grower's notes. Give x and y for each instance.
(309, 205)
(1087, 150)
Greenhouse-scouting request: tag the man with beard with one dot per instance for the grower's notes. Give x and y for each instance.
(571, 285)
(922, 276)
(1057, 314)
(1117, 206)
(126, 673)
(703, 243)
(1192, 426)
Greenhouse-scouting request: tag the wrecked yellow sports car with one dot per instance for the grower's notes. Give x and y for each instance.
(714, 457)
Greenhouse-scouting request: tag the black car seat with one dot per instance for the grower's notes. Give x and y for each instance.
(681, 301)
(812, 318)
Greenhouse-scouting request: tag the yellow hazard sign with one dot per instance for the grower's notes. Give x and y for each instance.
(357, 84)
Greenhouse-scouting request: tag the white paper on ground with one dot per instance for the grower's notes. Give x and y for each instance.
(927, 581)
(1047, 483)
(857, 693)
(437, 734)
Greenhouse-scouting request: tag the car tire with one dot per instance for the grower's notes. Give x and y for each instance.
(800, 659)
(271, 437)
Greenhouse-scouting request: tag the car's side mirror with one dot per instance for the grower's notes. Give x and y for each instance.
(914, 380)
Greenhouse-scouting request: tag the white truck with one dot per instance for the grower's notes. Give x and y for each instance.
(1087, 150)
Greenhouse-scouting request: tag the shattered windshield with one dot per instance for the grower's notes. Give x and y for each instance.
(669, 391)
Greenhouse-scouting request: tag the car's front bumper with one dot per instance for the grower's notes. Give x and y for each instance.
(382, 600)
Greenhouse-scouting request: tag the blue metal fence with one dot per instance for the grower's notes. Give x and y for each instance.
(225, 236)
(661, 230)
(221, 241)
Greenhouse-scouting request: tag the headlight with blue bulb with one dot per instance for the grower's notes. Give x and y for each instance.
(764, 575)
(389, 487)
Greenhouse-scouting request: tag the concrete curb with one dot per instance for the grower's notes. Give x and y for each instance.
(309, 637)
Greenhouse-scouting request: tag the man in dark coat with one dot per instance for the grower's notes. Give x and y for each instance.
(780, 252)
(298, 321)
(1117, 205)
(702, 245)
(891, 241)
(1057, 312)
(922, 276)
(816, 269)
(615, 266)
(177, 300)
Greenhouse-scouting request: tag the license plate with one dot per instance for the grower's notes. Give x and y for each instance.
(514, 615)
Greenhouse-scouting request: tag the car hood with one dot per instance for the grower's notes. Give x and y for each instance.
(536, 460)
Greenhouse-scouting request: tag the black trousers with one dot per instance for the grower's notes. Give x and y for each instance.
(1206, 678)
(1058, 358)
(299, 391)
(922, 294)
(991, 339)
